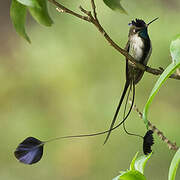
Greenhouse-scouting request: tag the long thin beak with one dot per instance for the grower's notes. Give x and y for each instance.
(152, 21)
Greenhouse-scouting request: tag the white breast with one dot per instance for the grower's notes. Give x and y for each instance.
(136, 47)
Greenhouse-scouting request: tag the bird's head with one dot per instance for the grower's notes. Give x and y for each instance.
(139, 27)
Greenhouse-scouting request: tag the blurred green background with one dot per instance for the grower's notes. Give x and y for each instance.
(69, 81)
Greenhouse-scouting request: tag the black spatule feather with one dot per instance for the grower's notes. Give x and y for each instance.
(148, 142)
(29, 151)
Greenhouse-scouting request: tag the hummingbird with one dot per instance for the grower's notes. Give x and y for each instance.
(139, 47)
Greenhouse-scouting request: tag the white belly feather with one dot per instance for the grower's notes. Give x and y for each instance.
(136, 47)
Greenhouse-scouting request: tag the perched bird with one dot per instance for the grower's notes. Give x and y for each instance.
(139, 47)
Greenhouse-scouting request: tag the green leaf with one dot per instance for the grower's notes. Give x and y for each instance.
(136, 169)
(41, 15)
(31, 3)
(175, 53)
(167, 72)
(115, 5)
(174, 165)
(133, 162)
(132, 175)
(175, 49)
(18, 17)
(140, 163)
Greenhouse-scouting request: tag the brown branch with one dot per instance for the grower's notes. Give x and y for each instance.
(160, 134)
(160, 71)
(94, 20)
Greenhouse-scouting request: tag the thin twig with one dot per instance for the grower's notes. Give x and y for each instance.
(88, 13)
(62, 8)
(94, 9)
(94, 20)
(160, 134)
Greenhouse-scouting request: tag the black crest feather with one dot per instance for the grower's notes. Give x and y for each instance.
(148, 142)
(138, 23)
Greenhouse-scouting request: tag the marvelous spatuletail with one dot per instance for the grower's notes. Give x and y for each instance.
(30, 150)
(139, 47)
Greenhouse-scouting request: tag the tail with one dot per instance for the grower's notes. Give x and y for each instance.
(132, 134)
(117, 110)
(103, 132)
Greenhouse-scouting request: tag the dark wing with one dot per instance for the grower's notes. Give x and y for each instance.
(127, 66)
